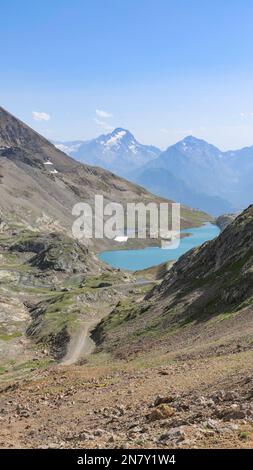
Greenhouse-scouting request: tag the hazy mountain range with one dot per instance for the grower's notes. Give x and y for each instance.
(192, 171)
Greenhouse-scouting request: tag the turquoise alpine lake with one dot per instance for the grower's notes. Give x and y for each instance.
(134, 260)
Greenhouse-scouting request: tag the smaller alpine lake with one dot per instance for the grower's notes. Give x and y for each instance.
(134, 260)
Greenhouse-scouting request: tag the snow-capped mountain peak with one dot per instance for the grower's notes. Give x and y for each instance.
(191, 145)
(117, 151)
(115, 137)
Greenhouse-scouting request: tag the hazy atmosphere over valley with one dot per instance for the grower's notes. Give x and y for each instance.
(126, 231)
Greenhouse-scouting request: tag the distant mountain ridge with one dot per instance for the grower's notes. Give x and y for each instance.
(192, 171)
(201, 165)
(203, 176)
(117, 151)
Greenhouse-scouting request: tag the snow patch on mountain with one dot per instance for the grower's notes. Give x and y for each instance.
(114, 138)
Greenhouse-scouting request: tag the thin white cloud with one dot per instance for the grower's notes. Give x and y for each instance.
(39, 116)
(246, 115)
(103, 114)
(105, 126)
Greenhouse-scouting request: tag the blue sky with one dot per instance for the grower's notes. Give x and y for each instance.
(161, 68)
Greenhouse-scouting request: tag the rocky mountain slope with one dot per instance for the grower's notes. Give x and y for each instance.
(203, 395)
(40, 184)
(117, 151)
(51, 286)
(208, 293)
(202, 403)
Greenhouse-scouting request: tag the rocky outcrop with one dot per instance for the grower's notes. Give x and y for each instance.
(49, 329)
(30, 242)
(54, 252)
(224, 220)
(62, 254)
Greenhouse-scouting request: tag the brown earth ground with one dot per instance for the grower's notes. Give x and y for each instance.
(157, 400)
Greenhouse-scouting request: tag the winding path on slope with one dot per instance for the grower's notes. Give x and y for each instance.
(82, 344)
